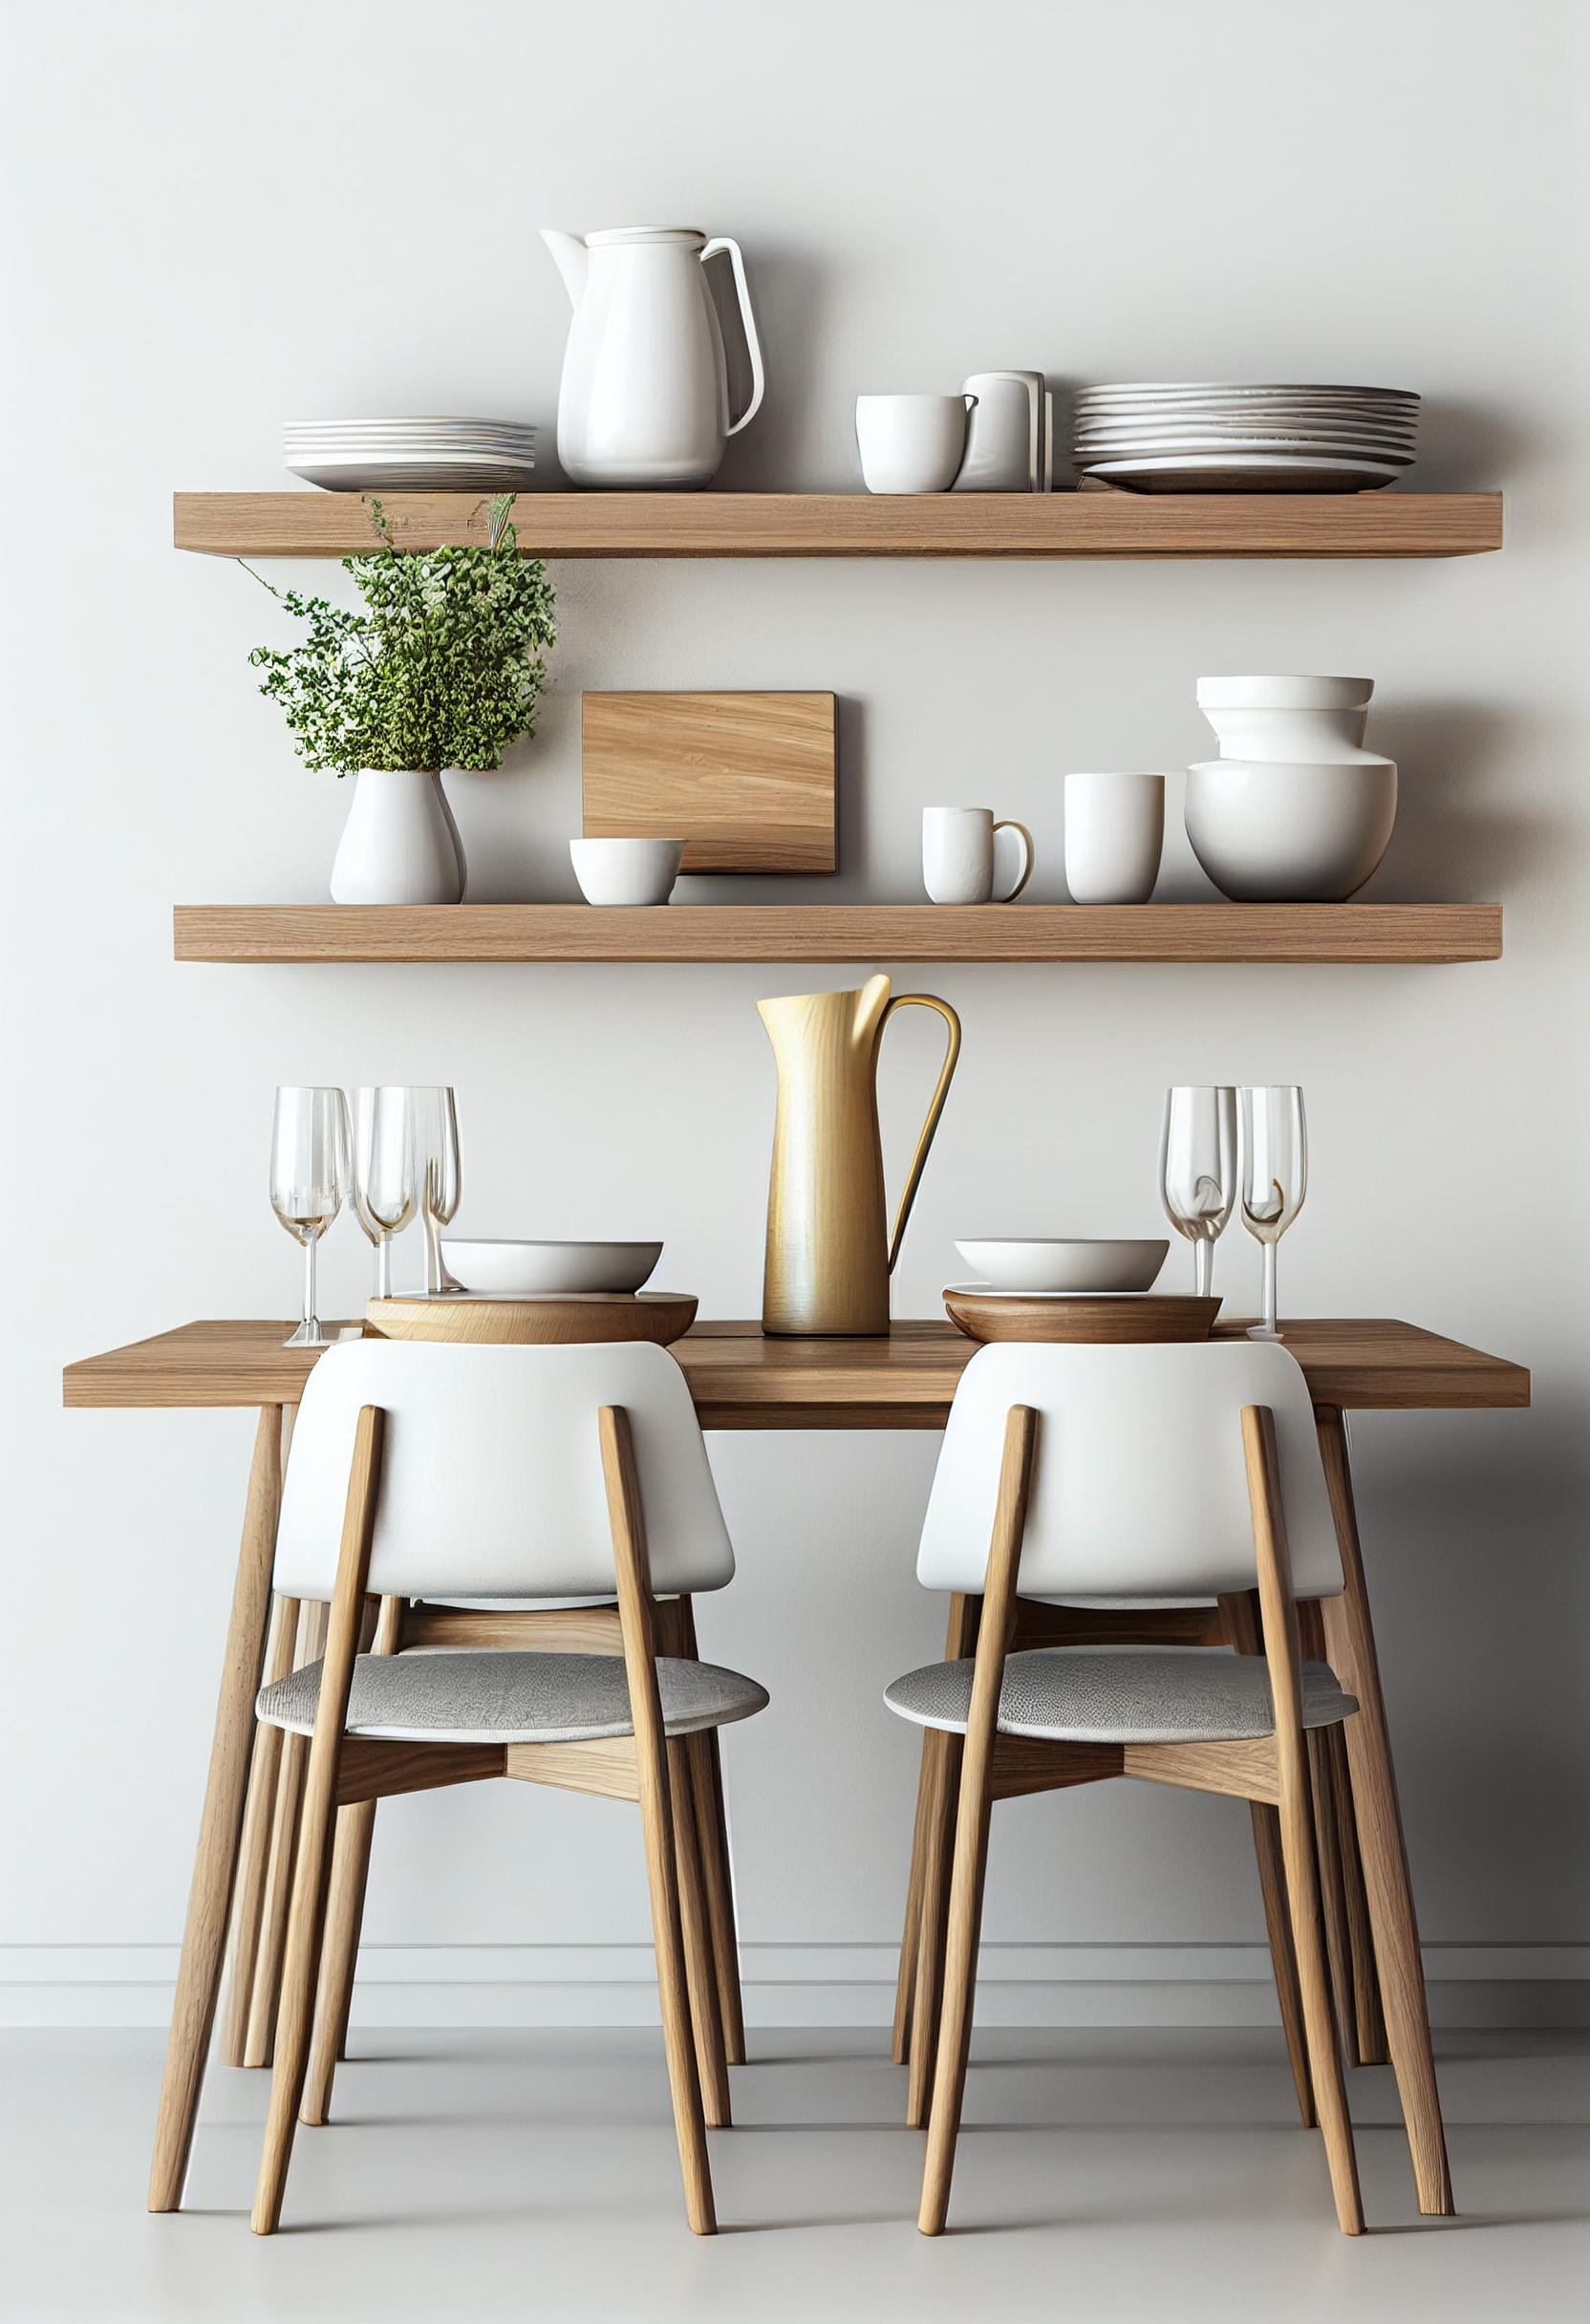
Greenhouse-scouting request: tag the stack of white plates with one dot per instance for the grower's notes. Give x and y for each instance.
(411, 455)
(1244, 436)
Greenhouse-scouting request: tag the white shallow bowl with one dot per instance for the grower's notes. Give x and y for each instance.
(1290, 834)
(626, 870)
(524, 1270)
(1285, 693)
(1067, 1264)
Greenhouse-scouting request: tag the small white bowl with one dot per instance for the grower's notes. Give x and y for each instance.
(1285, 693)
(1069, 1263)
(527, 1270)
(626, 870)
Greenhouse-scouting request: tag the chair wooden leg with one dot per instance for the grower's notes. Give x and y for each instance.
(1280, 1633)
(317, 1824)
(276, 1902)
(1351, 1644)
(259, 1819)
(1333, 1892)
(636, 1614)
(932, 1923)
(700, 1969)
(220, 1825)
(1240, 1623)
(1368, 2019)
(960, 1977)
(712, 1840)
(1324, 2054)
(974, 1804)
(1278, 1921)
(339, 1950)
(911, 1935)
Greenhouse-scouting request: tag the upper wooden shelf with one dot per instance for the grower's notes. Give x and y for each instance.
(1319, 932)
(1393, 524)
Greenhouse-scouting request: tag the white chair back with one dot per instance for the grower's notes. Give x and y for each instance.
(491, 1478)
(1139, 1485)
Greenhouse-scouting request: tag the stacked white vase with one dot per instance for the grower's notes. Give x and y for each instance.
(1293, 809)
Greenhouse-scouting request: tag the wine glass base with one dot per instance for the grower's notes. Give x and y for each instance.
(312, 1335)
(1262, 1331)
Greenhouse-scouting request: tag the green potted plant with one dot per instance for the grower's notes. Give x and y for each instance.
(442, 668)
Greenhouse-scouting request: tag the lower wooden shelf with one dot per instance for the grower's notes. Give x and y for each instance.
(1319, 933)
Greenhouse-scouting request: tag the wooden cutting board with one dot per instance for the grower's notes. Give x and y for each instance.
(749, 780)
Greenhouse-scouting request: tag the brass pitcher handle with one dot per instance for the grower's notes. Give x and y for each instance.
(922, 1001)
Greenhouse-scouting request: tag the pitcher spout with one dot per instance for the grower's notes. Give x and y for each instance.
(573, 260)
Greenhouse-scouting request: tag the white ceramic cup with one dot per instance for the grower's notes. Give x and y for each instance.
(1114, 837)
(1004, 440)
(958, 849)
(626, 870)
(912, 443)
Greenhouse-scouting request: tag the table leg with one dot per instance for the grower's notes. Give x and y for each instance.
(1351, 1642)
(220, 1825)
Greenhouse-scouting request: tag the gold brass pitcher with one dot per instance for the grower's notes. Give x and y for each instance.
(829, 1257)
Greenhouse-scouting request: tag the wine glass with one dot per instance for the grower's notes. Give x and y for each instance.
(1275, 1179)
(436, 1146)
(385, 1178)
(308, 1181)
(1197, 1172)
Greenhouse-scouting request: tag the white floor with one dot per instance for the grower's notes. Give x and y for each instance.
(1105, 2177)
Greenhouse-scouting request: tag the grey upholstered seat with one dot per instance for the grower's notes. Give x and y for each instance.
(1121, 1694)
(480, 1697)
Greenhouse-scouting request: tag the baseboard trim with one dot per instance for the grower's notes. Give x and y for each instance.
(803, 1985)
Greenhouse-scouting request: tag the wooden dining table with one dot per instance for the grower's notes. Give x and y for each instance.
(739, 1379)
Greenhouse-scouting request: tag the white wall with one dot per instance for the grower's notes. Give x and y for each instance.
(221, 218)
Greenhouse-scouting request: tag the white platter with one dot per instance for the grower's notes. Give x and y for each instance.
(1243, 472)
(512, 1269)
(399, 476)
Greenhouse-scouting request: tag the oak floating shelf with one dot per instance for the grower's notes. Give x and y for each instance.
(313, 523)
(1387, 934)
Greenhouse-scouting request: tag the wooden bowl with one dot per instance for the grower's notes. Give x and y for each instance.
(1144, 1315)
(561, 1320)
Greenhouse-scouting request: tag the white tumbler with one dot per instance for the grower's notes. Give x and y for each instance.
(1114, 836)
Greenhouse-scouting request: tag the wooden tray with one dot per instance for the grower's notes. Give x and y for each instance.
(1147, 1314)
(585, 1315)
(749, 780)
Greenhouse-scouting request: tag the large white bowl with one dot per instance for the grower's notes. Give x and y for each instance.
(1288, 834)
(1067, 1264)
(521, 1270)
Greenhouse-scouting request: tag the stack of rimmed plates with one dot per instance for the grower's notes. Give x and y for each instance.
(1244, 436)
(411, 455)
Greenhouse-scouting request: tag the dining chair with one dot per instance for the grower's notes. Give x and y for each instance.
(1130, 1473)
(420, 1473)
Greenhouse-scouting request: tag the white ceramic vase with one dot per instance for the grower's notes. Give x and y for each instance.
(400, 845)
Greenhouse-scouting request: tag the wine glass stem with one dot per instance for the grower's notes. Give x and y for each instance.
(309, 1317)
(433, 1251)
(383, 1267)
(1203, 1269)
(1269, 1290)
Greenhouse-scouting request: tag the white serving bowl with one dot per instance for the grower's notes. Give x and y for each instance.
(1065, 1264)
(1285, 834)
(626, 870)
(525, 1270)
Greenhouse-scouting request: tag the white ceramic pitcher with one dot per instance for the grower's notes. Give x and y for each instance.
(644, 400)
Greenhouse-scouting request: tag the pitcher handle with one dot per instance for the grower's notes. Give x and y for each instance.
(914, 1177)
(747, 320)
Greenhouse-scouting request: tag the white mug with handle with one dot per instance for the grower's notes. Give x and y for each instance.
(958, 851)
